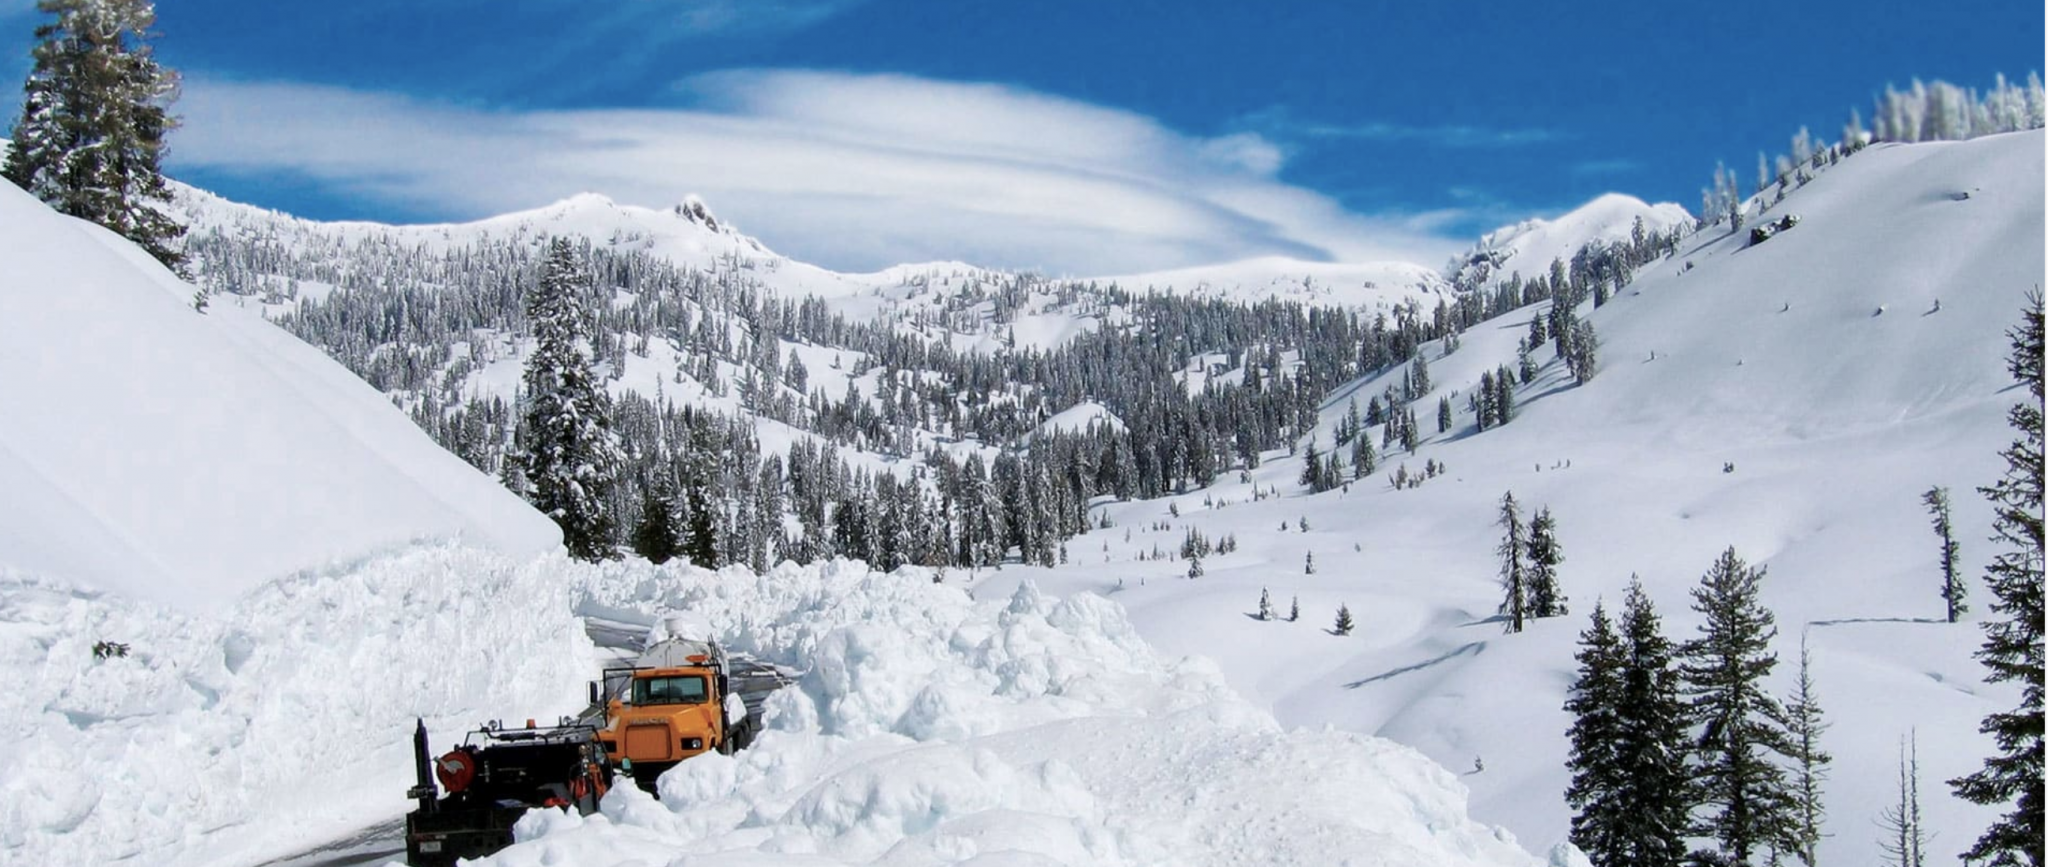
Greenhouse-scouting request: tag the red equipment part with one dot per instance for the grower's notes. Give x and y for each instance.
(456, 769)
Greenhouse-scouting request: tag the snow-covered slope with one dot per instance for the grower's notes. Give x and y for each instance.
(1804, 393)
(1530, 246)
(153, 451)
(1362, 285)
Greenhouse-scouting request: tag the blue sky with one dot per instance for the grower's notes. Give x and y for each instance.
(1095, 137)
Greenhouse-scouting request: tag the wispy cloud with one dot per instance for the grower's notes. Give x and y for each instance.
(709, 17)
(851, 171)
(1280, 123)
(1599, 168)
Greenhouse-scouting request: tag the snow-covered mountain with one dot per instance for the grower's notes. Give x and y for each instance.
(1529, 247)
(1792, 399)
(152, 451)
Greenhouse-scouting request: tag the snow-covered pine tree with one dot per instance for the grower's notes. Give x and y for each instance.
(1584, 360)
(1953, 592)
(1364, 460)
(1265, 605)
(654, 532)
(1746, 805)
(1312, 468)
(1504, 395)
(1598, 782)
(1294, 609)
(1343, 620)
(1804, 723)
(2013, 645)
(1419, 384)
(90, 138)
(571, 454)
(1308, 565)
(1651, 750)
(1545, 554)
(1443, 414)
(1513, 551)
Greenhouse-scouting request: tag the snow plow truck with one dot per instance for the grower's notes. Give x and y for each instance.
(675, 701)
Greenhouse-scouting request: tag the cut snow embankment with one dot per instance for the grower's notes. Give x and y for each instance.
(927, 727)
(285, 721)
(155, 451)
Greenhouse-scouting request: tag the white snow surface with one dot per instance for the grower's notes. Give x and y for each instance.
(927, 728)
(153, 451)
(1362, 285)
(1773, 360)
(1528, 247)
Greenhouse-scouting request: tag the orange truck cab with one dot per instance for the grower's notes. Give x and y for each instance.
(675, 702)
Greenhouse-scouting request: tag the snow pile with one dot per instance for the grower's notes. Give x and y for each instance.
(185, 458)
(287, 719)
(931, 728)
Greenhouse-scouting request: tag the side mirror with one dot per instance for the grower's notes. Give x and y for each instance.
(593, 694)
(724, 687)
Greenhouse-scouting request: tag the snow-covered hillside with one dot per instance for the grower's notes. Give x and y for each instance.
(149, 450)
(166, 482)
(1528, 248)
(1792, 399)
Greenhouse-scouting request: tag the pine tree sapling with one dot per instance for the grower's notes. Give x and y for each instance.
(2012, 645)
(1265, 605)
(1343, 620)
(1294, 610)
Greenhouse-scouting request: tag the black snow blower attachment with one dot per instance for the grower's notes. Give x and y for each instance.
(493, 778)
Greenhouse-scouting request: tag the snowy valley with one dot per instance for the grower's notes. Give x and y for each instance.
(1022, 655)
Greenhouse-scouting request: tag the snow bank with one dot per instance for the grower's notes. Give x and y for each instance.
(284, 721)
(932, 728)
(185, 458)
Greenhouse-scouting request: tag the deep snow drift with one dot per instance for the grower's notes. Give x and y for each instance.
(928, 727)
(157, 452)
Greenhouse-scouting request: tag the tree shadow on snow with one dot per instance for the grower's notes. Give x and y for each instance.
(1473, 648)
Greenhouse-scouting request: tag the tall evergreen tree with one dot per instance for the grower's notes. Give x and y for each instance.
(1651, 746)
(1805, 725)
(1545, 599)
(1597, 789)
(571, 453)
(1514, 573)
(2012, 646)
(90, 138)
(654, 534)
(1343, 620)
(1363, 459)
(1953, 592)
(1747, 805)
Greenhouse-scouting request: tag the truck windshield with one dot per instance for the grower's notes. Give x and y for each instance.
(688, 689)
